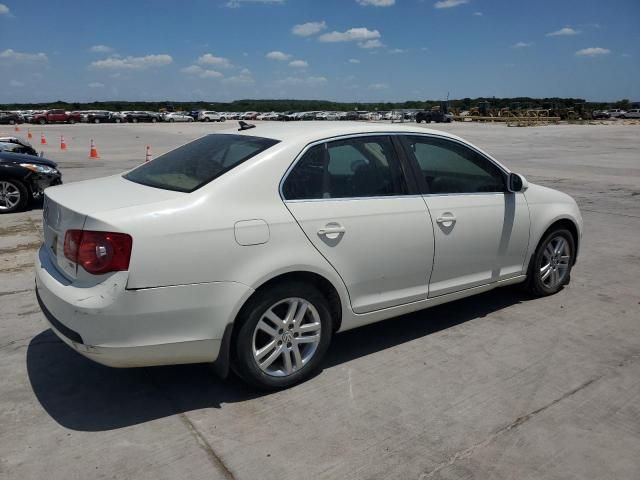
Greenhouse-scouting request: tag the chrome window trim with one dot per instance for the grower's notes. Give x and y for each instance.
(379, 134)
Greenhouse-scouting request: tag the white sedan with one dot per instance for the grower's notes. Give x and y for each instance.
(250, 248)
(178, 117)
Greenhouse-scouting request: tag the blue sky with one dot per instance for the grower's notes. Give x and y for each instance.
(345, 50)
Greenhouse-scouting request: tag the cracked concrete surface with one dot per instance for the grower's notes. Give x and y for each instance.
(498, 386)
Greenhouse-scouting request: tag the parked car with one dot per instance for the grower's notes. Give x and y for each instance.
(17, 145)
(251, 248)
(10, 118)
(232, 116)
(633, 113)
(23, 178)
(210, 116)
(249, 115)
(101, 116)
(600, 115)
(56, 116)
(178, 117)
(135, 117)
(616, 112)
(352, 115)
(437, 116)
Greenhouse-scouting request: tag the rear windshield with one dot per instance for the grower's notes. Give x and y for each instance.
(195, 164)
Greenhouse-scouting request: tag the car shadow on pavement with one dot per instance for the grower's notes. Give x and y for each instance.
(85, 396)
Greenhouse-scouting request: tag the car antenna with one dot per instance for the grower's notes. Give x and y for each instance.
(245, 126)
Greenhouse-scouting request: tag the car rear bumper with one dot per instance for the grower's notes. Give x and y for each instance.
(133, 328)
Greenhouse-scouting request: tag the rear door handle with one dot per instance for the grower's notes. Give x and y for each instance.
(446, 219)
(331, 230)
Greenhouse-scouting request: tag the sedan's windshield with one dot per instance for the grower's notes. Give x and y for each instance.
(195, 164)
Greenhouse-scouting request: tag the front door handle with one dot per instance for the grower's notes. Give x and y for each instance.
(446, 219)
(331, 229)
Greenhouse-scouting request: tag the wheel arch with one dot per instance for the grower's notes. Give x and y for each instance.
(561, 222)
(336, 304)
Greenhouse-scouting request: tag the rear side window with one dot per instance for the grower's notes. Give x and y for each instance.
(449, 167)
(353, 168)
(195, 164)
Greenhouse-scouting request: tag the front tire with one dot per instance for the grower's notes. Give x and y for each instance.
(550, 265)
(284, 333)
(14, 196)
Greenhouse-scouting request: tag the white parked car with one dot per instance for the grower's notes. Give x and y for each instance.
(632, 113)
(252, 248)
(616, 112)
(178, 117)
(209, 116)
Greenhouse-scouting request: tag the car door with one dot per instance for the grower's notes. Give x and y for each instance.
(352, 200)
(481, 230)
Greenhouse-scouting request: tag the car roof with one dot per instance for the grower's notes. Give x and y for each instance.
(310, 131)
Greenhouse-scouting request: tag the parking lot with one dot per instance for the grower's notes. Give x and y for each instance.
(494, 386)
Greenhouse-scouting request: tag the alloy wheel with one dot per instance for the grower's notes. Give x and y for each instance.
(286, 337)
(554, 266)
(9, 195)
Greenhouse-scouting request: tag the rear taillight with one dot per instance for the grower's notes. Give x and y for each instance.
(98, 252)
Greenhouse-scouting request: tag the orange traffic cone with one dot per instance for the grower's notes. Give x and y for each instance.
(93, 153)
(147, 157)
(16, 128)
(63, 145)
(29, 134)
(43, 141)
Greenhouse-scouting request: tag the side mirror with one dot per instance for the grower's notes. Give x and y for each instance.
(517, 183)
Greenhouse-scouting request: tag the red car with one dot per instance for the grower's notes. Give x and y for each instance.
(56, 116)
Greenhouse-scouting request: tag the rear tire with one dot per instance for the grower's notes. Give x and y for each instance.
(14, 196)
(286, 358)
(550, 266)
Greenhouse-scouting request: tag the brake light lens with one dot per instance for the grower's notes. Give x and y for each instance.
(98, 252)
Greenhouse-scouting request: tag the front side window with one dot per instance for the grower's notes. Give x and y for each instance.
(449, 167)
(352, 168)
(195, 164)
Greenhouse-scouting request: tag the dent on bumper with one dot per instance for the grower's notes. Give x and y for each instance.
(127, 328)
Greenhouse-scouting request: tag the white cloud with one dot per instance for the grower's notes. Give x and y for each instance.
(308, 81)
(308, 29)
(354, 60)
(277, 55)
(209, 59)
(133, 63)
(211, 74)
(522, 45)
(239, 3)
(239, 80)
(13, 56)
(478, 14)
(378, 86)
(4, 10)
(376, 3)
(192, 70)
(353, 34)
(95, 85)
(298, 64)
(593, 52)
(397, 50)
(101, 49)
(371, 44)
(245, 71)
(449, 3)
(566, 31)
(197, 70)
(16, 83)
